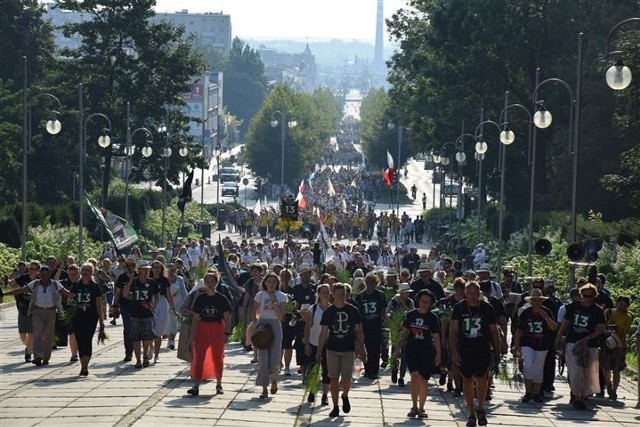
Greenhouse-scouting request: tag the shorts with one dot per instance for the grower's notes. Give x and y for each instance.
(421, 360)
(340, 363)
(142, 329)
(474, 362)
(301, 356)
(25, 324)
(288, 335)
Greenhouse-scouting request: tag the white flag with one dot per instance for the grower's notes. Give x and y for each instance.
(331, 192)
(257, 208)
(389, 160)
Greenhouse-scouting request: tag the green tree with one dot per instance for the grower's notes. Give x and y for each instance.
(317, 117)
(458, 56)
(245, 83)
(123, 57)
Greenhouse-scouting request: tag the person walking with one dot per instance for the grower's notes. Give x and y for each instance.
(473, 330)
(25, 321)
(342, 333)
(45, 303)
(178, 293)
(583, 324)
(87, 309)
(420, 340)
(163, 310)
(400, 302)
(142, 295)
(312, 330)
(122, 306)
(212, 311)
(269, 309)
(532, 341)
(372, 305)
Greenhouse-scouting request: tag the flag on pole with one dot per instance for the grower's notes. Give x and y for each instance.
(353, 183)
(122, 234)
(331, 192)
(388, 174)
(186, 195)
(257, 208)
(226, 277)
(302, 202)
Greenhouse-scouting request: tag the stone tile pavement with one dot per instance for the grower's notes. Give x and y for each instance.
(115, 394)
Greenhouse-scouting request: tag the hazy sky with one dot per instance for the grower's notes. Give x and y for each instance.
(325, 19)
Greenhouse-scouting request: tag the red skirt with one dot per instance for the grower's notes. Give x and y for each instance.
(208, 351)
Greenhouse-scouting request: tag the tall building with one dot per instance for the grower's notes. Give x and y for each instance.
(378, 62)
(299, 70)
(209, 29)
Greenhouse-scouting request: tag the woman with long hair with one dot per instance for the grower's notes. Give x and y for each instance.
(178, 293)
(420, 340)
(288, 329)
(312, 329)
(87, 312)
(212, 311)
(269, 309)
(163, 309)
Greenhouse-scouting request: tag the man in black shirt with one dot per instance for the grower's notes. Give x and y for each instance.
(25, 325)
(473, 332)
(372, 305)
(142, 294)
(303, 293)
(122, 304)
(342, 332)
(425, 281)
(411, 260)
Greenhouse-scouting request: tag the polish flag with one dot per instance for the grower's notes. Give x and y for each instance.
(302, 202)
(387, 176)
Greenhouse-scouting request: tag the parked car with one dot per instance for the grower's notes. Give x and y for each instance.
(451, 189)
(230, 188)
(229, 174)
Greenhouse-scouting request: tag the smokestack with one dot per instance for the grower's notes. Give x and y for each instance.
(377, 57)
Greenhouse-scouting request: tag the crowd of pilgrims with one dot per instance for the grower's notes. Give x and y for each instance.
(417, 315)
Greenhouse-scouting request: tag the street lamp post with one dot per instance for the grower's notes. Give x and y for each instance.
(284, 123)
(542, 119)
(166, 155)
(461, 158)
(103, 141)
(53, 127)
(618, 76)
(129, 150)
(216, 154)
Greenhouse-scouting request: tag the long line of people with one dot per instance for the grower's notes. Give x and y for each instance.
(418, 314)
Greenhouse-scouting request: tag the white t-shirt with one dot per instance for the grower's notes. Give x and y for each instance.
(194, 255)
(262, 299)
(314, 333)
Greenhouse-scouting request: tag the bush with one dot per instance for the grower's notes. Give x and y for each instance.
(43, 241)
(9, 258)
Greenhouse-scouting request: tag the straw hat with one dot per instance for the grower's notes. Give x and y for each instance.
(404, 287)
(424, 267)
(304, 268)
(535, 293)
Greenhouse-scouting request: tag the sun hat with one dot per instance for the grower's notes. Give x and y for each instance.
(535, 293)
(484, 268)
(304, 268)
(424, 267)
(391, 272)
(143, 264)
(404, 287)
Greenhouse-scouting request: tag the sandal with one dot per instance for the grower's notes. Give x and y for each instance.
(274, 388)
(413, 412)
(264, 395)
(219, 389)
(138, 365)
(472, 421)
(194, 391)
(145, 363)
(423, 415)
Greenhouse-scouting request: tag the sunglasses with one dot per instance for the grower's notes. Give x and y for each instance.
(588, 296)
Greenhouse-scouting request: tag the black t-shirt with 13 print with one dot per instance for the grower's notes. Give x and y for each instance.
(342, 327)
(474, 323)
(421, 326)
(211, 308)
(583, 321)
(141, 298)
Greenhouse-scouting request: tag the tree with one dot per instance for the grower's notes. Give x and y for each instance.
(378, 137)
(123, 57)
(317, 117)
(458, 56)
(245, 84)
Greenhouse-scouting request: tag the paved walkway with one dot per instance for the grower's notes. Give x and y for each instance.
(115, 394)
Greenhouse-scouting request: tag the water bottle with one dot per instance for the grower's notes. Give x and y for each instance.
(357, 369)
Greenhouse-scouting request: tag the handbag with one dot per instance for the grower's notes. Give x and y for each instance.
(187, 331)
(263, 336)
